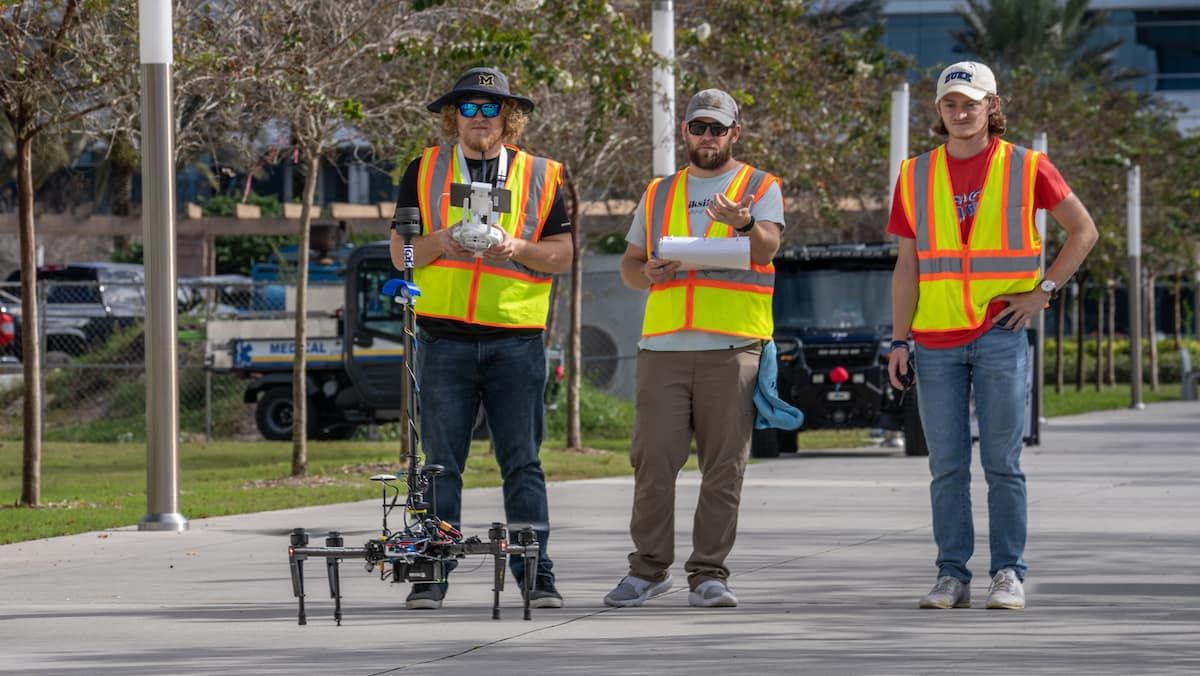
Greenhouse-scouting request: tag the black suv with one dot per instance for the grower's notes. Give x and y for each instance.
(833, 328)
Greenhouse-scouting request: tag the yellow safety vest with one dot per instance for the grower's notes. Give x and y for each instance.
(475, 291)
(956, 282)
(728, 302)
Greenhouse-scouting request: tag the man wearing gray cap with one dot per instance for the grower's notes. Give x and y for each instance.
(697, 363)
(967, 281)
(482, 313)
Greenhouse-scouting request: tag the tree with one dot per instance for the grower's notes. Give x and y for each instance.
(55, 65)
(314, 75)
(1047, 35)
(812, 88)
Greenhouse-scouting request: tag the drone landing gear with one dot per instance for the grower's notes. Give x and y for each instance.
(407, 567)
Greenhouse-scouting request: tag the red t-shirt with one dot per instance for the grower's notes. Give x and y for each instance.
(966, 179)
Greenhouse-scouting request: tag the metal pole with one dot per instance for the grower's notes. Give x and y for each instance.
(899, 147)
(158, 232)
(662, 41)
(1133, 219)
(1039, 348)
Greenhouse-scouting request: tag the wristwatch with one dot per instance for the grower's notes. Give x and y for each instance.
(897, 344)
(1049, 286)
(748, 227)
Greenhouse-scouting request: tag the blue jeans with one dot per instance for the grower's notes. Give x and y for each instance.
(996, 366)
(509, 376)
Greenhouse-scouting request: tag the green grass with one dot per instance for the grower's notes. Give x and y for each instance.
(1072, 401)
(90, 486)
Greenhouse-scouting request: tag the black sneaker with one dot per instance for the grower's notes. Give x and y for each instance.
(424, 596)
(545, 594)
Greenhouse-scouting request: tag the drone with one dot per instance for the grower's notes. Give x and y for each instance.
(420, 548)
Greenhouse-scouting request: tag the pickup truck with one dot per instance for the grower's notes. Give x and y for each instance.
(354, 361)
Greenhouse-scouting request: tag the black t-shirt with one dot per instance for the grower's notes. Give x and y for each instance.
(484, 171)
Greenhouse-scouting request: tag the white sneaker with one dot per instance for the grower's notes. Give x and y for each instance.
(712, 594)
(1006, 591)
(634, 591)
(948, 592)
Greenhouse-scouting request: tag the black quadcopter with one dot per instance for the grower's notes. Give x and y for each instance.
(418, 552)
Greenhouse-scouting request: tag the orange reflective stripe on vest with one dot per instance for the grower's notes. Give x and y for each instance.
(1002, 254)
(728, 302)
(474, 291)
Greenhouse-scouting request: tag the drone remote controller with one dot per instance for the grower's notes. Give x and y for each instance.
(477, 232)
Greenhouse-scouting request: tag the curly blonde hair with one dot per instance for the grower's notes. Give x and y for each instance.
(514, 118)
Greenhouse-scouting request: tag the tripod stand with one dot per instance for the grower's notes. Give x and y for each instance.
(419, 550)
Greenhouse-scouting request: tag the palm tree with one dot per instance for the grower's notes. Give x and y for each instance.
(1040, 34)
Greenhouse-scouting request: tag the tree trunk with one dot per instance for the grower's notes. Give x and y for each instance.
(575, 356)
(31, 350)
(1060, 330)
(1080, 324)
(300, 410)
(1151, 322)
(1112, 334)
(1099, 338)
(1178, 323)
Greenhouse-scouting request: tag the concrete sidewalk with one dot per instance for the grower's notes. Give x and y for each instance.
(833, 552)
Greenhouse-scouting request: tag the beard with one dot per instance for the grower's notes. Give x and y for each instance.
(709, 158)
(481, 144)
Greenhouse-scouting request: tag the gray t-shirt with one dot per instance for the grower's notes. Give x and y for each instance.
(700, 192)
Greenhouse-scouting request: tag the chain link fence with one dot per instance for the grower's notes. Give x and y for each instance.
(91, 335)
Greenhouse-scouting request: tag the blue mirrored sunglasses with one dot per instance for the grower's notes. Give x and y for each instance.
(467, 109)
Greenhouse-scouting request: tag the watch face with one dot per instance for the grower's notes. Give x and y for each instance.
(1049, 286)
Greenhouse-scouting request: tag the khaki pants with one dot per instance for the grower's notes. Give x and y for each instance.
(708, 395)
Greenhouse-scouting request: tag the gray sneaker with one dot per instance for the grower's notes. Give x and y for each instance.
(1006, 591)
(712, 594)
(634, 591)
(949, 592)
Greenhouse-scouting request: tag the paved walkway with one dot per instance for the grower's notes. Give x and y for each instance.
(833, 552)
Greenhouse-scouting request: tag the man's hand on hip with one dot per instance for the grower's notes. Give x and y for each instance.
(1021, 308)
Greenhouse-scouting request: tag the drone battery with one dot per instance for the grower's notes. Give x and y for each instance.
(422, 570)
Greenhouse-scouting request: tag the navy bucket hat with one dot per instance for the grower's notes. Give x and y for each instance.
(487, 82)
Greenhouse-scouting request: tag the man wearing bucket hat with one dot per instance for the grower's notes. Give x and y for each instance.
(697, 366)
(967, 281)
(480, 318)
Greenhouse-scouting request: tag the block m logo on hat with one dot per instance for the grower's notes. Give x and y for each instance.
(487, 80)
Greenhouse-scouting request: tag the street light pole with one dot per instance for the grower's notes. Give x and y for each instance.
(662, 41)
(1133, 221)
(898, 150)
(158, 233)
(1041, 145)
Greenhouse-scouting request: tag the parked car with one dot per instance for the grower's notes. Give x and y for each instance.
(84, 304)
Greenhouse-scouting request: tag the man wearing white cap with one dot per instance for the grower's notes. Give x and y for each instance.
(967, 281)
(697, 365)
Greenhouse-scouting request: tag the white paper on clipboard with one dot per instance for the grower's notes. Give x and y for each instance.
(706, 253)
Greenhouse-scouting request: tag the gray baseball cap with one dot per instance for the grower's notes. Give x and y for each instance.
(712, 103)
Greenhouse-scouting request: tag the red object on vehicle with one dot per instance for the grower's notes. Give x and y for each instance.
(838, 375)
(560, 372)
(8, 329)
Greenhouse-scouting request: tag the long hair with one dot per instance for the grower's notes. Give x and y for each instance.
(997, 123)
(514, 118)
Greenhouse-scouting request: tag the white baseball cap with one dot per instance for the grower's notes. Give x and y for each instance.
(966, 77)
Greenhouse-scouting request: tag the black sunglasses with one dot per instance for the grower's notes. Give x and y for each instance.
(468, 109)
(714, 128)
